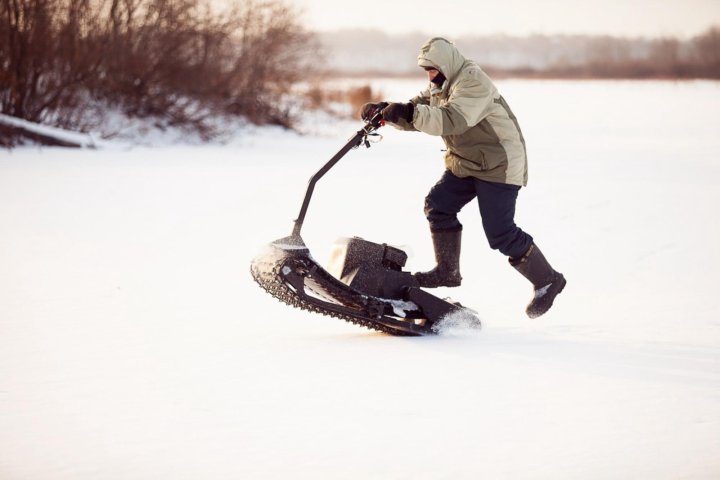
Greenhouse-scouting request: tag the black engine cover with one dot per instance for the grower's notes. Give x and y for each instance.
(371, 268)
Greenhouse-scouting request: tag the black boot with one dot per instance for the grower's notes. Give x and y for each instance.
(447, 256)
(546, 281)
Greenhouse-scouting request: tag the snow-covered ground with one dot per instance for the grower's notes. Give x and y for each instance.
(135, 345)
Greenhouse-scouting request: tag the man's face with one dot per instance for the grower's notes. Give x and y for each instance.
(431, 73)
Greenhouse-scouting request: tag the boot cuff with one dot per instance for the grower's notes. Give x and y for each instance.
(520, 260)
(443, 230)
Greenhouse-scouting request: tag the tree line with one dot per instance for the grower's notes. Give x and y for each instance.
(67, 63)
(613, 57)
(373, 52)
(183, 62)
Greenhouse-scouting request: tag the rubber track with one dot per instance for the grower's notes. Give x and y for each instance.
(268, 276)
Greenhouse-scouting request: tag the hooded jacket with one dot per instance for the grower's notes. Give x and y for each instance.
(481, 133)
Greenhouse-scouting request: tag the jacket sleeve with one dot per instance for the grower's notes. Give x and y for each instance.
(423, 98)
(469, 102)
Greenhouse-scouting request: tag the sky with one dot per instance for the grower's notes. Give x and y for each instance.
(635, 18)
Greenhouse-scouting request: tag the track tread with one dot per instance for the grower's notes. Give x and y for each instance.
(268, 275)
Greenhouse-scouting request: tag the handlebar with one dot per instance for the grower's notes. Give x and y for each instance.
(360, 138)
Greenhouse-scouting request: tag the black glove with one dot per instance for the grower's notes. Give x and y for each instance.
(395, 111)
(370, 109)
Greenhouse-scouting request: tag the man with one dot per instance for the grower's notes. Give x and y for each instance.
(485, 159)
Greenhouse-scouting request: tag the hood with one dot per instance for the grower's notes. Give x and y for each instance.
(441, 54)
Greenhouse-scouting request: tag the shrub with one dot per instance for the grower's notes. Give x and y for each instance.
(351, 99)
(181, 61)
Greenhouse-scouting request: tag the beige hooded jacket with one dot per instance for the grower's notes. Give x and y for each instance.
(481, 133)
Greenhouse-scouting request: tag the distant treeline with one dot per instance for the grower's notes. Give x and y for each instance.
(183, 62)
(362, 52)
(610, 57)
(72, 63)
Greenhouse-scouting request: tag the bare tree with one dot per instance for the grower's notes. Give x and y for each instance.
(47, 54)
(271, 55)
(707, 50)
(178, 61)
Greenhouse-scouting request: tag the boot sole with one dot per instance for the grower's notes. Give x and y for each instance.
(435, 284)
(561, 287)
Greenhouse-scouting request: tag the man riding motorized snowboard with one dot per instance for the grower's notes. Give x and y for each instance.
(485, 159)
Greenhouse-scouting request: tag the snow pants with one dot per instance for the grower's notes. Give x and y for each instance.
(497, 210)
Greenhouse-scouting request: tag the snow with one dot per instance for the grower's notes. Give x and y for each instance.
(461, 322)
(79, 139)
(401, 307)
(135, 345)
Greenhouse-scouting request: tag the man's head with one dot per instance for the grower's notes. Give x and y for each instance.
(440, 58)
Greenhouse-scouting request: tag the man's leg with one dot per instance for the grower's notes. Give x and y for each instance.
(445, 200)
(497, 208)
(442, 204)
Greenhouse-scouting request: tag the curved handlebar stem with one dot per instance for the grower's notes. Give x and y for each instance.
(358, 139)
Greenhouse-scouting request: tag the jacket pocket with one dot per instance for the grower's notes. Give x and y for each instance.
(463, 166)
(469, 154)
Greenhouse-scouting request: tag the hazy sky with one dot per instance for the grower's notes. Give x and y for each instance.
(515, 17)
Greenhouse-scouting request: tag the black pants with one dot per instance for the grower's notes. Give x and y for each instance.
(497, 209)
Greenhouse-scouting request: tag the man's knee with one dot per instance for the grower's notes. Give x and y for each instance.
(438, 217)
(511, 242)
